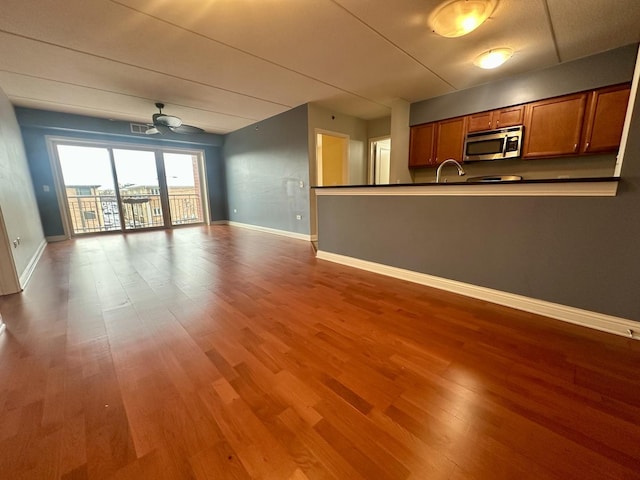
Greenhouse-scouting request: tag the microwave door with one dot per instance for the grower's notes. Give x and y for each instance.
(486, 148)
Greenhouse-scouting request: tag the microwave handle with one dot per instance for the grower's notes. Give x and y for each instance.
(504, 145)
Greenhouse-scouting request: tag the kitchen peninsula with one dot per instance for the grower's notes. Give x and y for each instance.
(562, 247)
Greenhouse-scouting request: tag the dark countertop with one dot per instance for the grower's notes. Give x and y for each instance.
(516, 182)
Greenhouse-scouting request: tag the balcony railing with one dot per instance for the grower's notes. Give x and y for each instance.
(100, 213)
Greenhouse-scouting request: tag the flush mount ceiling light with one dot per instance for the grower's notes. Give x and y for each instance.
(455, 18)
(493, 58)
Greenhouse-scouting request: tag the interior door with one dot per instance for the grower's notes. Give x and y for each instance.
(382, 160)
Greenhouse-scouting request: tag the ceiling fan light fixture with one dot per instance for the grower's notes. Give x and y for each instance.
(168, 120)
(163, 123)
(493, 58)
(456, 18)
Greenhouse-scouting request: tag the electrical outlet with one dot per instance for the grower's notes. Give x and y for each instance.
(235, 210)
(301, 184)
(298, 217)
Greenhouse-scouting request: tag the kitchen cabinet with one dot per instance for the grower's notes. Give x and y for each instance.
(576, 124)
(504, 117)
(449, 139)
(606, 110)
(421, 146)
(431, 144)
(553, 127)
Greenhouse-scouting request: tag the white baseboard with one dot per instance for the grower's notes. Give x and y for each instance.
(26, 275)
(56, 238)
(284, 233)
(585, 318)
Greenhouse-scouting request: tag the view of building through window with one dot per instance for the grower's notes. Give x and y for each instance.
(142, 194)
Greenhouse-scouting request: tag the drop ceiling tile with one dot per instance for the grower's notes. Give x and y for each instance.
(586, 27)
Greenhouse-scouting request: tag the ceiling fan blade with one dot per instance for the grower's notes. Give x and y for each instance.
(158, 129)
(186, 129)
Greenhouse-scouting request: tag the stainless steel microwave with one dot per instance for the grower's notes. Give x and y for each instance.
(493, 144)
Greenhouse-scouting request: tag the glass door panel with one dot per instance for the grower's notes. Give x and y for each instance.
(89, 188)
(184, 187)
(139, 188)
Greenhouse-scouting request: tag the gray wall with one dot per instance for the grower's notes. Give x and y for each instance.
(576, 251)
(379, 127)
(265, 164)
(18, 208)
(37, 124)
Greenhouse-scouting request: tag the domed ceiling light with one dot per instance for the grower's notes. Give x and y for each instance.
(456, 18)
(493, 58)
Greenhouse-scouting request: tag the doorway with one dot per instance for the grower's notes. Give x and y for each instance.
(108, 188)
(380, 158)
(332, 159)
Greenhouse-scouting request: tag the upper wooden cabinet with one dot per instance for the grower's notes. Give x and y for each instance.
(576, 124)
(421, 146)
(504, 117)
(431, 144)
(449, 140)
(553, 127)
(606, 110)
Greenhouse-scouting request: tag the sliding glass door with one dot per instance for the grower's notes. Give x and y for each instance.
(108, 188)
(139, 187)
(89, 188)
(184, 188)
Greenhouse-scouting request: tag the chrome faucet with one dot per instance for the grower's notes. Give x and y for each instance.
(449, 160)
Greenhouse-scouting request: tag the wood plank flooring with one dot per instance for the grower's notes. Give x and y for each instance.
(222, 353)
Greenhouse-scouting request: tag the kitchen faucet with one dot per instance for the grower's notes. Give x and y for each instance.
(449, 160)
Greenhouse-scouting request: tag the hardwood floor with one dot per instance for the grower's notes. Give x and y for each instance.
(223, 353)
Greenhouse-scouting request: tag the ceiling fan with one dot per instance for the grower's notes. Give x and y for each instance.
(163, 123)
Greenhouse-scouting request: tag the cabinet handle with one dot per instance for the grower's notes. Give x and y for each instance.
(575, 147)
(497, 123)
(489, 125)
(586, 148)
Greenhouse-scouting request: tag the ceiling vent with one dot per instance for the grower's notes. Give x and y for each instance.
(139, 128)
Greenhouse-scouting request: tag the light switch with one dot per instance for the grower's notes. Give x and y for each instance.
(46, 188)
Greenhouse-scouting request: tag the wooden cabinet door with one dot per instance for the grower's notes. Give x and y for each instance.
(505, 117)
(508, 117)
(553, 127)
(449, 141)
(479, 122)
(421, 146)
(605, 119)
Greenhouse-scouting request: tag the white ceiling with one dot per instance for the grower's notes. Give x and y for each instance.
(224, 64)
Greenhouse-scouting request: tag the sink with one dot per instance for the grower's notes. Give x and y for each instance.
(495, 178)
